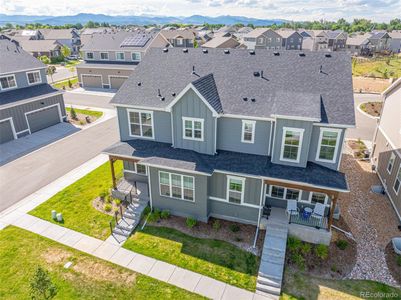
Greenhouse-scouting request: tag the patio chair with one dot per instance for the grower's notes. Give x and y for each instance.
(292, 208)
(397, 245)
(318, 211)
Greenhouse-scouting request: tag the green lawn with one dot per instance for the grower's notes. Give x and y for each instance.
(93, 113)
(378, 68)
(88, 277)
(217, 259)
(60, 84)
(75, 203)
(299, 285)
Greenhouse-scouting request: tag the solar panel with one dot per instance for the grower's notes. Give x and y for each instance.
(139, 40)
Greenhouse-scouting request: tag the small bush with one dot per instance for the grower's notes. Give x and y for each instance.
(298, 260)
(108, 199)
(165, 214)
(191, 222)
(81, 122)
(155, 215)
(333, 268)
(399, 260)
(102, 195)
(342, 244)
(322, 251)
(107, 207)
(69, 83)
(238, 239)
(42, 286)
(73, 113)
(117, 202)
(306, 248)
(234, 227)
(216, 225)
(294, 244)
(146, 211)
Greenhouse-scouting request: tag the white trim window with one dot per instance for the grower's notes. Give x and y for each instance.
(120, 56)
(235, 189)
(90, 55)
(260, 40)
(192, 129)
(291, 144)
(33, 77)
(390, 164)
(136, 56)
(104, 55)
(248, 131)
(177, 186)
(328, 145)
(140, 123)
(8, 82)
(136, 168)
(397, 181)
(283, 193)
(180, 41)
(315, 197)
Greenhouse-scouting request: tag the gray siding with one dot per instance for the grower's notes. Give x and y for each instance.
(190, 105)
(112, 56)
(232, 212)
(293, 42)
(314, 143)
(196, 209)
(18, 112)
(104, 73)
(22, 80)
(129, 165)
(307, 126)
(161, 122)
(229, 132)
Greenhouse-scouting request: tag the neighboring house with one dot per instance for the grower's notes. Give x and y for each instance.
(386, 155)
(179, 38)
(315, 40)
(380, 41)
(395, 44)
(231, 29)
(243, 31)
(291, 39)
(50, 48)
(109, 58)
(337, 40)
(231, 134)
(263, 38)
(221, 42)
(66, 37)
(27, 103)
(359, 44)
(25, 34)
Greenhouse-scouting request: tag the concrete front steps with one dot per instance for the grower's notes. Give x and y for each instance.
(130, 219)
(270, 276)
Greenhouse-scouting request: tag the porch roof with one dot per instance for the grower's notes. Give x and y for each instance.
(164, 155)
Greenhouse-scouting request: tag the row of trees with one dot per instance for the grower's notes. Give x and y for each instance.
(32, 26)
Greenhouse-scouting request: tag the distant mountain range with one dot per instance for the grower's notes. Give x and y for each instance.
(137, 20)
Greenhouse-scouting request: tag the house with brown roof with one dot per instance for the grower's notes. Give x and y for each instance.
(221, 42)
(50, 48)
(179, 38)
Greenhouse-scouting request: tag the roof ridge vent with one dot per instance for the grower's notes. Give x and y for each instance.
(185, 50)
(276, 53)
(226, 51)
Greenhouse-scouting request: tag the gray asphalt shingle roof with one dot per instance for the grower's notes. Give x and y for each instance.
(14, 58)
(207, 88)
(26, 93)
(163, 155)
(285, 76)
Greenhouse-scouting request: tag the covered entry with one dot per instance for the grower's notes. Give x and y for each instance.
(7, 131)
(92, 81)
(43, 118)
(117, 81)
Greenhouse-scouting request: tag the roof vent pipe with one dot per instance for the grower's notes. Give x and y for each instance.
(261, 74)
(158, 93)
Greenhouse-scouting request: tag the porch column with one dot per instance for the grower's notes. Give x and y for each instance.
(333, 206)
(113, 174)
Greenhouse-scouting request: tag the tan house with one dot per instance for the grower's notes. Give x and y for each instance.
(221, 42)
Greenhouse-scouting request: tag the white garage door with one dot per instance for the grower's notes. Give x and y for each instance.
(6, 131)
(44, 118)
(92, 81)
(117, 81)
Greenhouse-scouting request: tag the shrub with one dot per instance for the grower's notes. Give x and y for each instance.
(81, 122)
(234, 227)
(399, 260)
(191, 222)
(306, 248)
(102, 195)
(342, 244)
(73, 114)
(155, 215)
(322, 251)
(165, 214)
(294, 244)
(117, 202)
(108, 199)
(216, 225)
(69, 83)
(107, 207)
(41, 285)
(333, 268)
(238, 239)
(146, 210)
(298, 260)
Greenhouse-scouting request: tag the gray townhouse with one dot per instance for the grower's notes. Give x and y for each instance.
(179, 38)
(395, 44)
(237, 134)
(109, 58)
(380, 41)
(359, 44)
(336, 40)
(27, 102)
(386, 154)
(291, 39)
(315, 40)
(263, 38)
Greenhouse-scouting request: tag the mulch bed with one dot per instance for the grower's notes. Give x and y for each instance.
(357, 147)
(243, 238)
(73, 86)
(81, 119)
(372, 108)
(99, 203)
(392, 264)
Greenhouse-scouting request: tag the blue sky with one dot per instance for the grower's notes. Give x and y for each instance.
(377, 10)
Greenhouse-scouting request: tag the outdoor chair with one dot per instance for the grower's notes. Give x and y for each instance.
(397, 245)
(318, 211)
(292, 208)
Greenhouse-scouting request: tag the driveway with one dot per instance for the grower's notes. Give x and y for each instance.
(26, 175)
(62, 73)
(83, 99)
(365, 126)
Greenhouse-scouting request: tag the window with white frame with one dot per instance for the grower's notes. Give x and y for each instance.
(104, 55)
(397, 181)
(291, 144)
(248, 131)
(390, 164)
(193, 129)
(140, 169)
(315, 197)
(278, 39)
(89, 55)
(280, 192)
(235, 189)
(328, 145)
(136, 56)
(8, 82)
(180, 41)
(120, 56)
(136, 168)
(176, 186)
(34, 77)
(140, 123)
(260, 40)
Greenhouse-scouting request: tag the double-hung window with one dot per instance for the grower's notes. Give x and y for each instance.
(328, 145)
(280, 192)
(34, 77)
(136, 56)
(8, 82)
(291, 144)
(193, 129)
(248, 131)
(104, 55)
(89, 55)
(390, 164)
(315, 197)
(235, 189)
(176, 186)
(120, 56)
(180, 41)
(140, 123)
(397, 182)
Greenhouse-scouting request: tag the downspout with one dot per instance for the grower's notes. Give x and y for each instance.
(262, 192)
(150, 188)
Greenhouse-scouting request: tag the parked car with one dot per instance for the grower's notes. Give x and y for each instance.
(72, 57)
